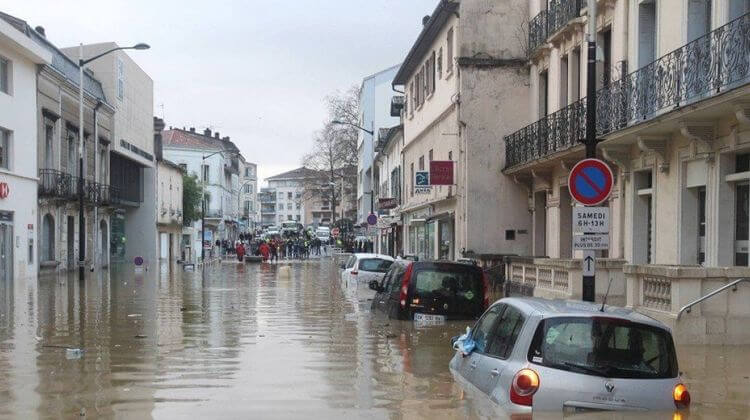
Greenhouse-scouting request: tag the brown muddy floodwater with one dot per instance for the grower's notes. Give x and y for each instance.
(254, 341)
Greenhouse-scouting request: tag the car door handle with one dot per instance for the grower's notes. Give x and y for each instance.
(474, 364)
(494, 372)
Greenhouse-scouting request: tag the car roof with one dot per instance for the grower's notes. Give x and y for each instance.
(369, 255)
(561, 307)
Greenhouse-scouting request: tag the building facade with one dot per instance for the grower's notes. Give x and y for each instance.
(19, 58)
(249, 205)
(132, 167)
(288, 189)
(169, 192)
(672, 116)
(374, 113)
(388, 194)
(215, 161)
(464, 83)
(267, 199)
(57, 151)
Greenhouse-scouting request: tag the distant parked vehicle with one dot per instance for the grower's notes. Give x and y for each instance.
(529, 355)
(431, 292)
(365, 268)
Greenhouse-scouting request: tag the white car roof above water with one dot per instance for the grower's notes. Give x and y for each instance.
(561, 307)
(367, 255)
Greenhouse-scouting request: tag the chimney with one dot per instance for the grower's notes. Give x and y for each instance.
(216, 134)
(170, 127)
(40, 31)
(192, 129)
(226, 138)
(207, 132)
(425, 19)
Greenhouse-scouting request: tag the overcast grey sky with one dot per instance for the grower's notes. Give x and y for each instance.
(256, 71)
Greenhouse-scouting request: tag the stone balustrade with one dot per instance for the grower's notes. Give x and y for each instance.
(561, 278)
(660, 291)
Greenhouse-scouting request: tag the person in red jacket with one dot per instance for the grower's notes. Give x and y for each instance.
(265, 251)
(240, 249)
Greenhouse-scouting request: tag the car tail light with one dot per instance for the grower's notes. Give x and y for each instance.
(405, 285)
(681, 396)
(524, 385)
(355, 272)
(486, 284)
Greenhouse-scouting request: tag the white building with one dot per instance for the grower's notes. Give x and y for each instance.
(388, 175)
(216, 163)
(19, 58)
(289, 188)
(374, 113)
(673, 116)
(249, 204)
(168, 202)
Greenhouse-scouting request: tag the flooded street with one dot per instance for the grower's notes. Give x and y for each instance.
(256, 341)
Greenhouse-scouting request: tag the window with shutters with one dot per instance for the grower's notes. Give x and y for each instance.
(646, 33)
(449, 52)
(440, 63)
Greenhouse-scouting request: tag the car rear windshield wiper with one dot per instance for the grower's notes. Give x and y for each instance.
(596, 370)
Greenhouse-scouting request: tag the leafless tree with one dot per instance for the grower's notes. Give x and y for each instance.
(521, 32)
(334, 149)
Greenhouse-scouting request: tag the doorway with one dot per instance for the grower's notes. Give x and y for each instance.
(71, 241)
(103, 237)
(6, 248)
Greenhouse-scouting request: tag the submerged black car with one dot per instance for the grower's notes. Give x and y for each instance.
(431, 291)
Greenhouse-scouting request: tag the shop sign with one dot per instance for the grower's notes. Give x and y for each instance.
(422, 182)
(6, 216)
(441, 172)
(387, 203)
(4, 190)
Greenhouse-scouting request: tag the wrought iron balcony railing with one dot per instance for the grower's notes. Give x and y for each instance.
(61, 185)
(551, 20)
(57, 184)
(712, 64)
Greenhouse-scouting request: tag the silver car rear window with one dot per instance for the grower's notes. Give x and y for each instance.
(602, 346)
(375, 265)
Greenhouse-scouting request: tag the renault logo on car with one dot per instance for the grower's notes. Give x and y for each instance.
(609, 386)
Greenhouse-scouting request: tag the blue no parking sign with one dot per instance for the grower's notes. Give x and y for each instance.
(590, 182)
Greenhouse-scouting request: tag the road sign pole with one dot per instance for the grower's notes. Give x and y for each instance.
(589, 284)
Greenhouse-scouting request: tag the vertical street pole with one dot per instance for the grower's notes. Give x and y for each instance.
(589, 282)
(81, 221)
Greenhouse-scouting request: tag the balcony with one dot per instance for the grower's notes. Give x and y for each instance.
(715, 63)
(214, 214)
(60, 185)
(548, 22)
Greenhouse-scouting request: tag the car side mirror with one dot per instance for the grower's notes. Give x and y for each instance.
(454, 339)
(373, 284)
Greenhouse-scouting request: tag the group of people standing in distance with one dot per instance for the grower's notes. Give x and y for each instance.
(291, 247)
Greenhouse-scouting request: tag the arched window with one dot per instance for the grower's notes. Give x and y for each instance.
(48, 238)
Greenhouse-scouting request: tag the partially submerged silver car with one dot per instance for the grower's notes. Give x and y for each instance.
(531, 354)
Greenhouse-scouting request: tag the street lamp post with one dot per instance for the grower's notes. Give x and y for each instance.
(81, 221)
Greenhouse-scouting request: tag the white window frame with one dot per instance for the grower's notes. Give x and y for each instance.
(6, 148)
(7, 76)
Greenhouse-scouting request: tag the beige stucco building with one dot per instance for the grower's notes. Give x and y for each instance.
(464, 82)
(673, 118)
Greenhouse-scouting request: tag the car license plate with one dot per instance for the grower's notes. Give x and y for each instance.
(427, 319)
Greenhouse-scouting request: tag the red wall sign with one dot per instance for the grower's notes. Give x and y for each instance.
(4, 190)
(441, 172)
